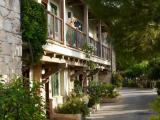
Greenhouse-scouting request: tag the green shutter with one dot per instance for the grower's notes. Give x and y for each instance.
(55, 84)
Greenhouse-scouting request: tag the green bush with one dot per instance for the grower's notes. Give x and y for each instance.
(18, 102)
(78, 87)
(73, 105)
(98, 90)
(156, 107)
(137, 70)
(117, 79)
(154, 69)
(34, 29)
(130, 83)
(95, 92)
(111, 91)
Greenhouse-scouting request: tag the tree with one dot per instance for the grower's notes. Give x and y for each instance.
(133, 27)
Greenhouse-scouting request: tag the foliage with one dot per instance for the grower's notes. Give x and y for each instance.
(95, 92)
(73, 105)
(98, 90)
(130, 83)
(77, 87)
(117, 79)
(89, 51)
(137, 70)
(156, 107)
(18, 102)
(34, 29)
(154, 69)
(135, 38)
(108, 90)
(111, 91)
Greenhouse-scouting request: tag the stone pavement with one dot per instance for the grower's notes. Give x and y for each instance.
(134, 105)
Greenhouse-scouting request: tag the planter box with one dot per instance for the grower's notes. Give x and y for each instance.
(110, 100)
(58, 116)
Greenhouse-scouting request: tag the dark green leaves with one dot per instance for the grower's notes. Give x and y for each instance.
(34, 29)
(133, 26)
(19, 102)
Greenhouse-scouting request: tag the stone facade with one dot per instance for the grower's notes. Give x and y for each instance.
(10, 38)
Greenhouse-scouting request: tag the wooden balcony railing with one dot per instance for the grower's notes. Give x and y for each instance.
(74, 37)
(106, 52)
(96, 45)
(55, 28)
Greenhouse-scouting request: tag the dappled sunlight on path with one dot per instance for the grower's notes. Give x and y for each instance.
(134, 105)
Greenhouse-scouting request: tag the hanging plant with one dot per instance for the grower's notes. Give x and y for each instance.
(34, 30)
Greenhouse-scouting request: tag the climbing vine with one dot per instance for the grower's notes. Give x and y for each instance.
(34, 29)
(89, 50)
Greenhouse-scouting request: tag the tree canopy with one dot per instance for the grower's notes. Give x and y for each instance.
(133, 27)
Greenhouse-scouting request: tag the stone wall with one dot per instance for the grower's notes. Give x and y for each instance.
(10, 38)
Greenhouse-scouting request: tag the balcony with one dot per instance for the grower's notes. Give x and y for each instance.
(55, 28)
(75, 38)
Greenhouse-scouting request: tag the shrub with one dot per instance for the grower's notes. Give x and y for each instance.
(130, 83)
(154, 69)
(156, 107)
(117, 79)
(18, 102)
(78, 87)
(97, 90)
(111, 91)
(73, 105)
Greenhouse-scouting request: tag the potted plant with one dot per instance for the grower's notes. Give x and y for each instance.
(109, 93)
(73, 109)
(95, 93)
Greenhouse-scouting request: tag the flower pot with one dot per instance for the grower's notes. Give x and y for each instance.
(58, 116)
(110, 100)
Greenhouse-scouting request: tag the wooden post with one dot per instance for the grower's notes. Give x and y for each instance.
(86, 24)
(100, 36)
(37, 73)
(63, 14)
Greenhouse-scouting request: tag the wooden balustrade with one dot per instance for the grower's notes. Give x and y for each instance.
(74, 37)
(55, 28)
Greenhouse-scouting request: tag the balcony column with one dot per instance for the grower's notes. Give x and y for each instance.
(63, 16)
(86, 24)
(100, 36)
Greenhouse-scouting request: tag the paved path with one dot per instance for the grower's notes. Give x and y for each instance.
(134, 105)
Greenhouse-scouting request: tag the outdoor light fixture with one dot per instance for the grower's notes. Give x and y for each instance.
(43, 71)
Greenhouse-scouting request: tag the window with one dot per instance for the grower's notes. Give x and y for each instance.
(55, 84)
(69, 15)
(53, 8)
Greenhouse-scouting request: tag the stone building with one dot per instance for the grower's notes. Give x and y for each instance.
(10, 38)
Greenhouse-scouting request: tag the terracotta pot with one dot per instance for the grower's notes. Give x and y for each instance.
(110, 100)
(58, 116)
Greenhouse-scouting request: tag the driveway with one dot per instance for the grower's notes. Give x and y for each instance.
(134, 105)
